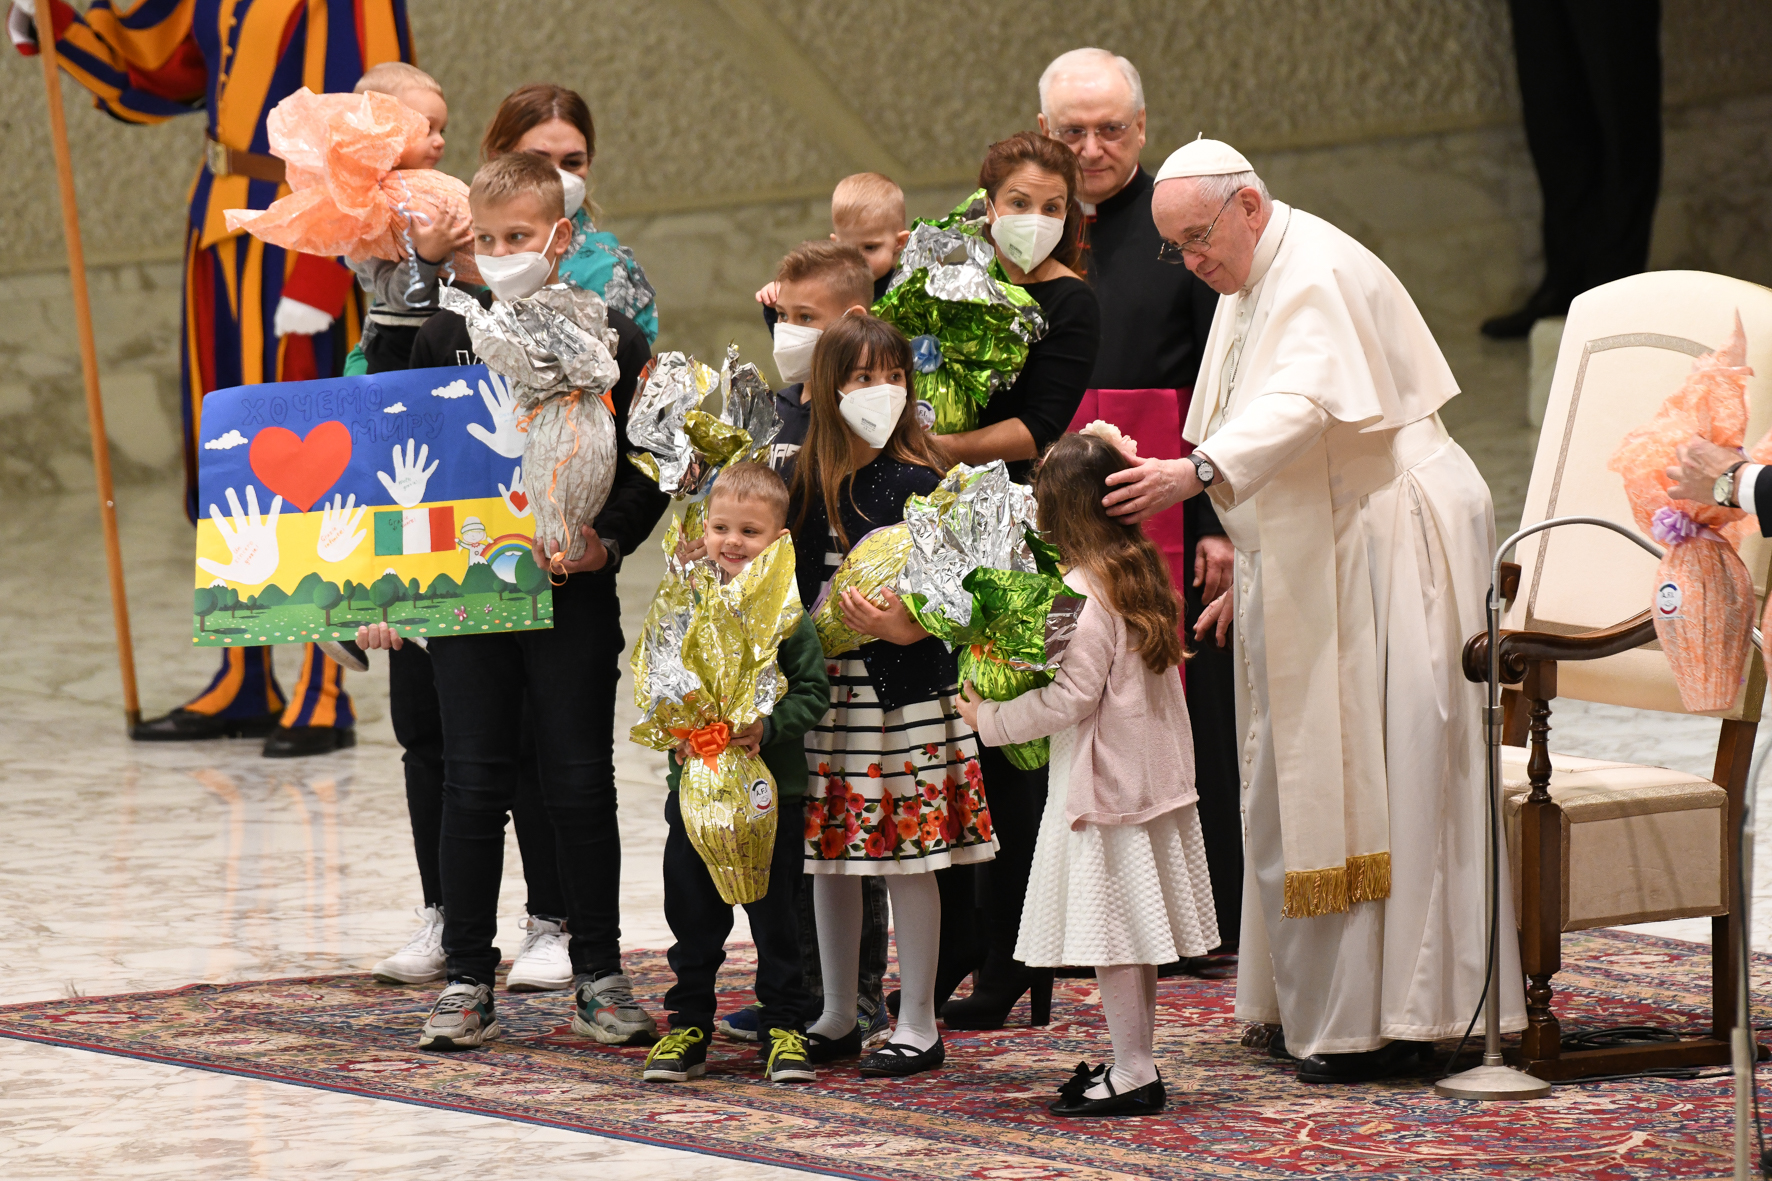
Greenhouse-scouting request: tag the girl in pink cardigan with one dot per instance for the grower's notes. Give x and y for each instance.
(1119, 877)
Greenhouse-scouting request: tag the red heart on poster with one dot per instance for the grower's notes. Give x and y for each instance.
(518, 500)
(297, 469)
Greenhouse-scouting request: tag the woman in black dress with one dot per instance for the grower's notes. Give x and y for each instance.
(1036, 223)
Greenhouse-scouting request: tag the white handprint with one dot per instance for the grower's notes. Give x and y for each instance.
(336, 539)
(252, 542)
(504, 437)
(408, 484)
(516, 499)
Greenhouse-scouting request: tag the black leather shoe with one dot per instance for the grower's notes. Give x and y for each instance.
(1276, 1047)
(821, 1049)
(1146, 1100)
(183, 725)
(345, 653)
(895, 1061)
(1391, 1060)
(990, 1003)
(295, 742)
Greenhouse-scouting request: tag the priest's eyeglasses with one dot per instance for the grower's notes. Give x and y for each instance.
(1174, 252)
(1107, 133)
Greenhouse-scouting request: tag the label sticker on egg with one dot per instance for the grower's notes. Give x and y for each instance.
(1667, 601)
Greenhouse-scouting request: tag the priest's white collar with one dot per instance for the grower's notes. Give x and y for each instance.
(1268, 245)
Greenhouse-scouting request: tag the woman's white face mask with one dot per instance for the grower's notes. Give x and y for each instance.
(872, 412)
(793, 350)
(573, 186)
(516, 276)
(1027, 238)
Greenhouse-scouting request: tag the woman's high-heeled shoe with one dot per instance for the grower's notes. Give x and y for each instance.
(991, 1001)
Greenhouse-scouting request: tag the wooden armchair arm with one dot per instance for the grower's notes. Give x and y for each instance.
(1520, 647)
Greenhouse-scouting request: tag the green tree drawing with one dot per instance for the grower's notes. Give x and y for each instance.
(203, 604)
(233, 601)
(326, 597)
(413, 594)
(251, 604)
(351, 589)
(304, 590)
(386, 591)
(532, 580)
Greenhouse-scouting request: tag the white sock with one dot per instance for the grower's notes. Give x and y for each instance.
(916, 932)
(1129, 1002)
(836, 907)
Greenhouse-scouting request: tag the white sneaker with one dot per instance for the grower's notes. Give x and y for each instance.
(543, 962)
(421, 960)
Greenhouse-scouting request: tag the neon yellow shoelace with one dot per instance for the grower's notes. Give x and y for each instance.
(674, 1043)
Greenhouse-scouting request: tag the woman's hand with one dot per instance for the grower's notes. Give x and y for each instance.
(892, 623)
(967, 704)
(378, 635)
(1216, 616)
(595, 556)
(751, 737)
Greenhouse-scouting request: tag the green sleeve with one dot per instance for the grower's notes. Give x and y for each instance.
(808, 697)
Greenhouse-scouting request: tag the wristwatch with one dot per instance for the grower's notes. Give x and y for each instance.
(1723, 491)
(1203, 468)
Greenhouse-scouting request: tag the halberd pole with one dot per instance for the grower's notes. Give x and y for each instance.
(95, 409)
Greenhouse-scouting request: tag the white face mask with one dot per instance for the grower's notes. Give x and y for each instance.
(793, 350)
(514, 276)
(1027, 238)
(574, 186)
(872, 412)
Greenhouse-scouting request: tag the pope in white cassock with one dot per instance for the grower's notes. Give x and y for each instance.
(1363, 536)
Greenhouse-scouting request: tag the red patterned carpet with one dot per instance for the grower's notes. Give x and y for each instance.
(1233, 1113)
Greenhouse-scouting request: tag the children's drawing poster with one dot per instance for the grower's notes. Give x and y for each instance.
(396, 498)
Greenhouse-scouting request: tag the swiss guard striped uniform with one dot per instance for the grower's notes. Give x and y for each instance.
(234, 60)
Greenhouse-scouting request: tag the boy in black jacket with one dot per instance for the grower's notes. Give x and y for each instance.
(565, 677)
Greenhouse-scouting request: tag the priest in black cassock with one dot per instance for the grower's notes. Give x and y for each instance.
(1154, 321)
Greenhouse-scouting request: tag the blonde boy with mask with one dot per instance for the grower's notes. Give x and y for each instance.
(817, 283)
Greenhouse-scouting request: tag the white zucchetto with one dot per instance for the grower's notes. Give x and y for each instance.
(1203, 157)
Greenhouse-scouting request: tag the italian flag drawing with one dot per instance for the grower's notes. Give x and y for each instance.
(415, 531)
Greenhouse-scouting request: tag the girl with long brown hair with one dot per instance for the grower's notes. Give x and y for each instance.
(1120, 819)
(555, 122)
(897, 789)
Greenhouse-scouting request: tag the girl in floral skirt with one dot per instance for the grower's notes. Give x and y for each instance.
(896, 790)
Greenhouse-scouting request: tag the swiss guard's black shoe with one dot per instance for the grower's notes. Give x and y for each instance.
(184, 725)
(1391, 1060)
(346, 653)
(294, 742)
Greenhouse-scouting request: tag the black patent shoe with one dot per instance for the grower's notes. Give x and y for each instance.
(989, 1005)
(295, 742)
(184, 725)
(1146, 1100)
(1276, 1047)
(1391, 1060)
(821, 1049)
(895, 1061)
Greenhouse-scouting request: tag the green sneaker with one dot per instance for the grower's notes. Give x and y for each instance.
(787, 1061)
(605, 1009)
(679, 1056)
(462, 1018)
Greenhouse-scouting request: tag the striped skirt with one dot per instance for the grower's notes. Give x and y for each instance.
(892, 791)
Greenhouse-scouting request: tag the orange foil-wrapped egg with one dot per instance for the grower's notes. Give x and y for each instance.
(1704, 612)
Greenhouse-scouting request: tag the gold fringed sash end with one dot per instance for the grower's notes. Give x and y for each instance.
(1313, 892)
(1368, 877)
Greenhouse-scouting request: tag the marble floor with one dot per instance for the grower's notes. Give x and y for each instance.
(140, 867)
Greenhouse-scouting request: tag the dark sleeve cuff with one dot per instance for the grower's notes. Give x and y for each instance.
(1763, 499)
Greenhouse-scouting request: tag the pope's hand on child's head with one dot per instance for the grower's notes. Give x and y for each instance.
(751, 737)
(891, 622)
(378, 635)
(967, 704)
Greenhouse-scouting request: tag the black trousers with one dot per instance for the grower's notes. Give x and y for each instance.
(387, 347)
(418, 725)
(564, 680)
(1590, 89)
(1212, 712)
(700, 920)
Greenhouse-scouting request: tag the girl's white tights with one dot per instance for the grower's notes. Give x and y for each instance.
(916, 927)
(1129, 1001)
